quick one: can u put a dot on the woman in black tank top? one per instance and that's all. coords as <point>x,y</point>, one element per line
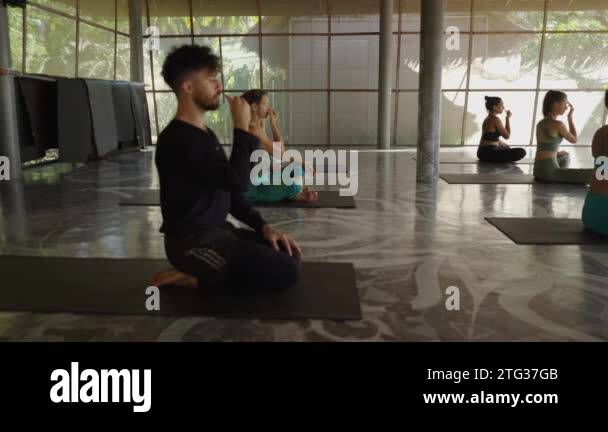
<point>491,149</point>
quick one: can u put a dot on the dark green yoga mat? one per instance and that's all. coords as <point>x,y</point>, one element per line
<point>488,178</point>
<point>118,286</point>
<point>459,159</point>
<point>546,231</point>
<point>330,199</point>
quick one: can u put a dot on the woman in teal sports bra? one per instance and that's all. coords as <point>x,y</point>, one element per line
<point>595,211</point>
<point>550,164</point>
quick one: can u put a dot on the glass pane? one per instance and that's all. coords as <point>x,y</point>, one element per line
<point>295,62</point>
<point>279,16</point>
<point>409,61</point>
<point>123,15</point>
<point>153,130</point>
<point>521,105</point>
<point>241,63</point>
<point>410,15</point>
<point>577,15</point>
<point>454,61</point>
<point>452,110</point>
<point>354,118</point>
<point>407,120</point>
<point>588,114</point>
<point>51,41</point>
<point>171,17</point>
<point>166,105</point>
<point>302,117</point>
<point>220,122</point>
<point>354,62</point>
<point>147,70</point>
<point>98,12</point>
<point>123,58</point>
<point>356,16</point>
<point>515,15</point>
<point>225,16</point>
<point>67,6</point>
<point>505,61</point>
<point>457,13</point>
<point>166,45</point>
<point>576,60</point>
<point>15,24</point>
<point>96,53</point>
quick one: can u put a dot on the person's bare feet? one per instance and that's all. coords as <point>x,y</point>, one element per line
<point>173,277</point>
<point>307,195</point>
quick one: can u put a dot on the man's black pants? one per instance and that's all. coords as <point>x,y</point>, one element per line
<point>227,257</point>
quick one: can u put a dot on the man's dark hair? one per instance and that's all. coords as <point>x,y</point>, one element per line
<point>186,59</point>
<point>254,96</point>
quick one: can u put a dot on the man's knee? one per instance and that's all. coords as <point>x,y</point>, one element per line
<point>286,272</point>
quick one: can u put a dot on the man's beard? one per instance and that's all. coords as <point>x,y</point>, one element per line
<point>207,105</point>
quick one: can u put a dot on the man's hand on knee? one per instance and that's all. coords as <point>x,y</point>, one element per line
<point>279,241</point>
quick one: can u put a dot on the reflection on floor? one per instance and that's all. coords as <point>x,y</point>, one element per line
<point>408,243</point>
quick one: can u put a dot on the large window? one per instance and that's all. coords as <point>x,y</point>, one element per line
<point>72,38</point>
<point>318,59</point>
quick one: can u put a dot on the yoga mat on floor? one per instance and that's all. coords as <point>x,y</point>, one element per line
<point>330,199</point>
<point>458,159</point>
<point>118,286</point>
<point>488,178</point>
<point>546,231</point>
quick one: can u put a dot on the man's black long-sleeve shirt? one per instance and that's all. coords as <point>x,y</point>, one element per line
<point>199,186</point>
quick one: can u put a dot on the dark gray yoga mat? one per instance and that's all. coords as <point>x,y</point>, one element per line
<point>139,104</point>
<point>75,134</point>
<point>118,286</point>
<point>123,112</point>
<point>457,159</point>
<point>488,178</point>
<point>101,101</point>
<point>546,231</point>
<point>330,199</point>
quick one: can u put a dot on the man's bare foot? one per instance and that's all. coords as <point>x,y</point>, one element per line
<point>173,277</point>
<point>307,196</point>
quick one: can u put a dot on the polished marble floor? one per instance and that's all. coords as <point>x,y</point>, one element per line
<point>408,243</point>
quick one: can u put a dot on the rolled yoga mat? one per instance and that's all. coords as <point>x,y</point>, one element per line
<point>101,102</point>
<point>546,231</point>
<point>331,199</point>
<point>74,125</point>
<point>118,286</point>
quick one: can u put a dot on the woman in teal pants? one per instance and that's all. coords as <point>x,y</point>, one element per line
<point>595,211</point>
<point>550,164</point>
<point>260,111</point>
